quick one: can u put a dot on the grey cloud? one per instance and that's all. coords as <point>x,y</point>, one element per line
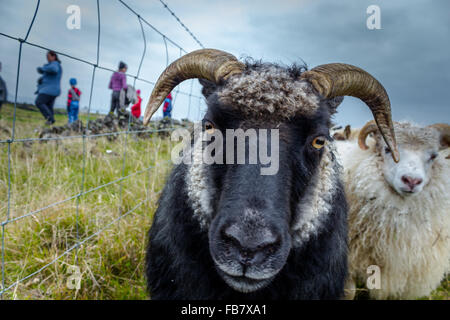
<point>410,55</point>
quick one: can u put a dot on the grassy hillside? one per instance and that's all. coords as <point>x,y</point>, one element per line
<point>42,173</point>
<point>112,261</point>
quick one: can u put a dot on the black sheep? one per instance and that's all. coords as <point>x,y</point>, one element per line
<point>229,231</point>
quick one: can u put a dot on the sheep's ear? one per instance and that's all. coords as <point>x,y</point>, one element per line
<point>339,136</point>
<point>334,103</point>
<point>208,87</point>
<point>444,137</point>
<point>347,132</point>
<point>445,141</point>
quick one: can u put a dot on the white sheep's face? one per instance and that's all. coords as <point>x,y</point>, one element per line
<point>412,173</point>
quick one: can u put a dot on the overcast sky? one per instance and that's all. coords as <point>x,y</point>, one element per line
<point>409,55</point>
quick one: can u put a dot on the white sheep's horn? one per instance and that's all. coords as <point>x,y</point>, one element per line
<point>368,128</point>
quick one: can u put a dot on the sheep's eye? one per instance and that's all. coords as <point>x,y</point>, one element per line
<point>318,143</point>
<point>433,156</point>
<point>387,150</point>
<point>209,127</point>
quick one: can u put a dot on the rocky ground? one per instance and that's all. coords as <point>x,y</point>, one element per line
<point>114,123</point>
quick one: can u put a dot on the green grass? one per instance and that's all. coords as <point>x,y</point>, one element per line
<point>42,173</point>
<point>112,262</point>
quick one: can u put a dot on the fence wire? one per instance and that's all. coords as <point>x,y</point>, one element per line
<point>85,137</point>
<point>181,23</point>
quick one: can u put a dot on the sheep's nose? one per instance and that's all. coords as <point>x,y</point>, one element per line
<point>251,247</point>
<point>411,182</point>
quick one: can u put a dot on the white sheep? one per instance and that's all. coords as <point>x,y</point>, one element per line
<point>398,212</point>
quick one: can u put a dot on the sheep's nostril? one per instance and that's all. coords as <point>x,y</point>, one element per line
<point>250,249</point>
<point>269,247</point>
<point>231,238</point>
<point>411,182</point>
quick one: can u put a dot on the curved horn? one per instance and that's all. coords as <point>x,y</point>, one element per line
<point>444,130</point>
<point>210,64</point>
<point>368,128</point>
<point>338,79</point>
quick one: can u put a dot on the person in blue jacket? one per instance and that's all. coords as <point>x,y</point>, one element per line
<point>49,86</point>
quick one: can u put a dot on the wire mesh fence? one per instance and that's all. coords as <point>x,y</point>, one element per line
<point>83,147</point>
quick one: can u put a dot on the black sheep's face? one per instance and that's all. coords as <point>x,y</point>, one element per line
<point>252,213</point>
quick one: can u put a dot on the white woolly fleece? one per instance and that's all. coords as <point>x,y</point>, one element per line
<point>408,238</point>
<point>317,202</point>
<point>198,186</point>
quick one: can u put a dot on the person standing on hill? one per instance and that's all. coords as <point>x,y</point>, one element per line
<point>136,108</point>
<point>49,86</point>
<point>118,82</point>
<point>73,101</point>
